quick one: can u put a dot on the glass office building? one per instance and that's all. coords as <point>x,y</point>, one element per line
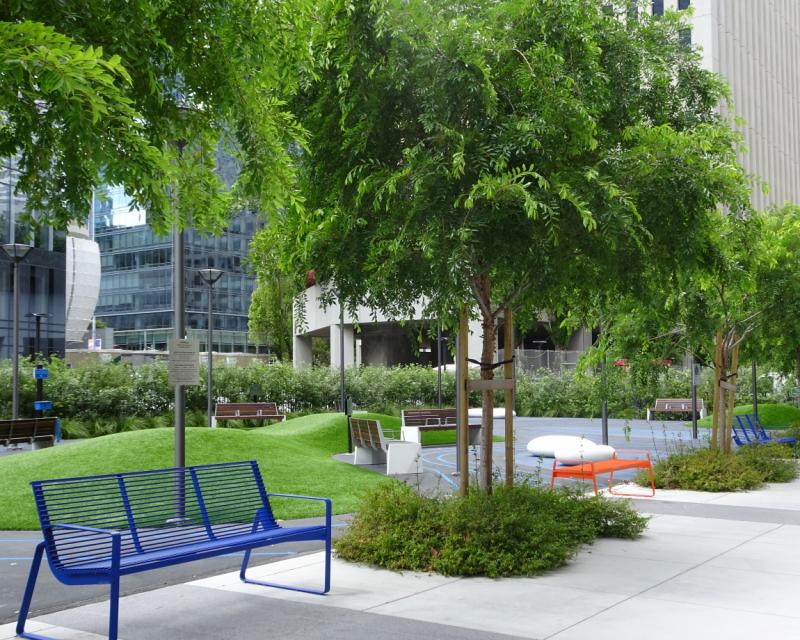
<point>136,285</point>
<point>42,274</point>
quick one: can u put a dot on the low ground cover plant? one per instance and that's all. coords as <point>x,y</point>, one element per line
<point>712,470</point>
<point>523,530</point>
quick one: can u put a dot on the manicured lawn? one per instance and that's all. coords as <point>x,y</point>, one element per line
<point>772,416</point>
<point>294,456</point>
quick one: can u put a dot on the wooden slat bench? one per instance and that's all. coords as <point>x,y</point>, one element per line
<point>38,432</point>
<point>99,528</point>
<point>373,447</point>
<point>676,405</point>
<point>415,421</point>
<point>590,470</point>
<point>264,411</point>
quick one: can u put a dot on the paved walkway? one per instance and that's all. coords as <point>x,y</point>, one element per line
<point>726,574</point>
<point>725,566</point>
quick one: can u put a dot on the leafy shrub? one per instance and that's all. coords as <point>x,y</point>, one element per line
<point>523,530</point>
<point>712,470</point>
<point>104,390</point>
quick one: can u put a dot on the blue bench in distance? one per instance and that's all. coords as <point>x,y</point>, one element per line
<point>747,429</point>
<point>99,528</point>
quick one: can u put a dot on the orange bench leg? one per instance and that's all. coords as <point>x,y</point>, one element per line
<point>633,495</point>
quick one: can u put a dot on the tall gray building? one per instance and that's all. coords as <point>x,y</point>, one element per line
<point>41,274</point>
<point>755,46</point>
<point>136,284</point>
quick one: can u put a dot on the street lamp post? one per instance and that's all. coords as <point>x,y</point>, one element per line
<point>210,276</point>
<point>36,351</point>
<point>17,253</point>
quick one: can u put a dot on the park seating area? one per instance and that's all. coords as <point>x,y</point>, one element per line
<point>99,528</point>
<point>415,421</point>
<point>258,411</point>
<point>37,432</point>
<point>373,447</point>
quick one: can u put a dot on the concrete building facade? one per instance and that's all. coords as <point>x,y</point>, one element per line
<point>755,46</point>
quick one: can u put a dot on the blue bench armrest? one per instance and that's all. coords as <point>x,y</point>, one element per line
<point>327,501</point>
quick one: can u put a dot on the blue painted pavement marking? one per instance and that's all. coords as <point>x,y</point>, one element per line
<point>450,480</point>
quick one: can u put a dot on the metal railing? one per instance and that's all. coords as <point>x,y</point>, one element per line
<point>530,360</point>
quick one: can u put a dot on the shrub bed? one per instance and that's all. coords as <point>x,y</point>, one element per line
<point>712,470</point>
<point>104,391</point>
<point>523,530</point>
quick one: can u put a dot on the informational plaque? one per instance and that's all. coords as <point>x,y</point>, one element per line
<point>184,363</point>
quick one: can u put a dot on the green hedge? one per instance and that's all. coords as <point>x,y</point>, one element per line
<point>99,391</point>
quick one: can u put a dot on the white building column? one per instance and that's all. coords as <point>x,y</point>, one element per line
<point>475,342</point>
<point>301,353</point>
<point>349,346</point>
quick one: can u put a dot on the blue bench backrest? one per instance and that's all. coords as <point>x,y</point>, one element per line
<point>154,510</point>
<point>741,431</point>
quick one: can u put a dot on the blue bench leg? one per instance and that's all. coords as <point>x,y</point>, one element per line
<point>246,559</point>
<point>113,616</point>
<point>28,595</point>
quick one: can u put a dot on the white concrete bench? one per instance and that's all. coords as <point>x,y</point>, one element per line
<point>372,447</point>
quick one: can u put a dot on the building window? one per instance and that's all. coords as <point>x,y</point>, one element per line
<point>685,36</point>
<point>683,4</point>
<point>658,7</point>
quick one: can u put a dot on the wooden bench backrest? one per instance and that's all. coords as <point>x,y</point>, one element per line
<point>422,417</point>
<point>27,428</point>
<point>677,404</point>
<point>367,433</point>
<point>233,409</point>
<point>221,500</point>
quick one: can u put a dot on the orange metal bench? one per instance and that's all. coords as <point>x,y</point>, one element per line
<point>592,469</point>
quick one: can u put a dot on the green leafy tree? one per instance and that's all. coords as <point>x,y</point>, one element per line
<point>545,154</point>
<point>145,91</point>
<point>777,290</point>
<point>270,315</point>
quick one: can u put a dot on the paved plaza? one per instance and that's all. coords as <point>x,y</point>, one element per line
<point>722,565</point>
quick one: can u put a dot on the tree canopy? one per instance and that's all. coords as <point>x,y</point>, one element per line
<point>142,93</point>
<point>549,154</point>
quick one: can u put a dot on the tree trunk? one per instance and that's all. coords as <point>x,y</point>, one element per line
<point>726,363</point>
<point>483,286</point>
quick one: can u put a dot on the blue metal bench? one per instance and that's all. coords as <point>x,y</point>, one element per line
<point>747,429</point>
<point>99,528</point>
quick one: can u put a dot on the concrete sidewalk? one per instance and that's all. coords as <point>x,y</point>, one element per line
<point>687,577</point>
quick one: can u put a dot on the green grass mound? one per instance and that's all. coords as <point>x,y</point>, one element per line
<point>294,456</point>
<point>712,470</point>
<point>772,416</point>
<point>524,530</point>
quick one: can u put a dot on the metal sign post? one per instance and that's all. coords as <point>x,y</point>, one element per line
<point>695,382</point>
<point>462,404</point>
<point>510,374</point>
